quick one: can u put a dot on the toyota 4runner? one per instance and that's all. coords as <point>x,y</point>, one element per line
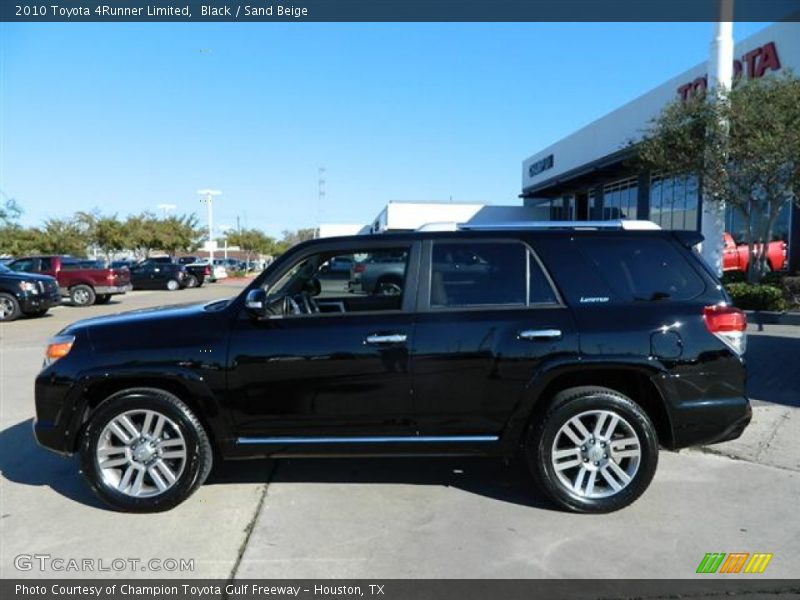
<point>583,348</point>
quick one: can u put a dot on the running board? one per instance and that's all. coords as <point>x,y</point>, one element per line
<point>369,440</point>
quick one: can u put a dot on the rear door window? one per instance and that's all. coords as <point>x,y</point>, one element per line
<point>483,273</point>
<point>642,269</point>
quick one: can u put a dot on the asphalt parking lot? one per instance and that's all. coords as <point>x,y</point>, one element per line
<point>373,518</point>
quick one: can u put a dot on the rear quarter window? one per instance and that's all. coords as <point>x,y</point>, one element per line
<point>642,269</point>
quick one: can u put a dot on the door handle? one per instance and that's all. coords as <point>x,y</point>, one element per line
<point>390,338</point>
<point>539,334</point>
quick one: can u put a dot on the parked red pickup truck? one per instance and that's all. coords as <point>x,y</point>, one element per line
<point>736,257</point>
<point>86,282</point>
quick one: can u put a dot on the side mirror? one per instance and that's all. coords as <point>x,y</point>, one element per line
<point>256,303</point>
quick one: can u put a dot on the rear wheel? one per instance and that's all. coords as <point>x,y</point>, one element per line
<point>594,450</point>
<point>173,284</point>
<point>103,299</point>
<point>9,308</point>
<point>192,281</point>
<point>144,450</point>
<point>82,295</point>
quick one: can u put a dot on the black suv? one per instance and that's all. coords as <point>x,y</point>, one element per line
<point>28,294</point>
<point>582,348</point>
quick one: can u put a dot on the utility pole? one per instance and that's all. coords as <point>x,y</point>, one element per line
<point>720,81</point>
<point>207,196</point>
<point>320,194</point>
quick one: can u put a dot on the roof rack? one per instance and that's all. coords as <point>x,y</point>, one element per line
<point>617,224</point>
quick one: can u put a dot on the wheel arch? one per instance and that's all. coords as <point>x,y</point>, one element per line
<point>192,393</point>
<point>635,382</point>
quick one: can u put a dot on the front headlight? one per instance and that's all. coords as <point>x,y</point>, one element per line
<point>58,347</point>
<point>27,286</point>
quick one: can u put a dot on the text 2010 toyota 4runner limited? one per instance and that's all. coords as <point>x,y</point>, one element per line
<point>585,348</point>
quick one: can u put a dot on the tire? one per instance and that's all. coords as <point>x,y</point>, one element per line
<point>9,308</point>
<point>550,433</point>
<point>173,285</point>
<point>192,281</point>
<point>181,434</point>
<point>82,295</point>
<point>103,299</point>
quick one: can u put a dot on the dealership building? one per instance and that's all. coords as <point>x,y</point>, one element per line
<point>587,175</point>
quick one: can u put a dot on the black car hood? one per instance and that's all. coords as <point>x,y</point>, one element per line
<point>148,317</point>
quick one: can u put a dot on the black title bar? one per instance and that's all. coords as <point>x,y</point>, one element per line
<point>394,10</point>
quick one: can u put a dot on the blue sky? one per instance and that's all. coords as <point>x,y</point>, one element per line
<point>125,117</point>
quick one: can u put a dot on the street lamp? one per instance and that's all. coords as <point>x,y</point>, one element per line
<point>166,208</point>
<point>208,197</point>
<point>225,229</point>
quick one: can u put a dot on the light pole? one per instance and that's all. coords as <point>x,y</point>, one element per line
<point>166,208</point>
<point>225,229</point>
<point>720,81</point>
<point>208,197</point>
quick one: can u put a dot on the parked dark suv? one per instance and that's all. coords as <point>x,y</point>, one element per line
<point>584,348</point>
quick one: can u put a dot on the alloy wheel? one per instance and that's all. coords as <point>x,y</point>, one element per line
<point>596,454</point>
<point>6,308</point>
<point>141,453</point>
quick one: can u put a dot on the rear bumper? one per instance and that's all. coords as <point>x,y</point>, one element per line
<point>710,421</point>
<point>113,289</point>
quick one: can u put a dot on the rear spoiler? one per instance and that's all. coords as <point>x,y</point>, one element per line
<point>688,238</point>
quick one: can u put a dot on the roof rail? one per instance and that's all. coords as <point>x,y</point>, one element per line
<point>617,224</point>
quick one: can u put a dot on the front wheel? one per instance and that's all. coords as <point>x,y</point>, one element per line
<point>192,281</point>
<point>594,450</point>
<point>9,307</point>
<point>173,285</point>
<point>144,450</point>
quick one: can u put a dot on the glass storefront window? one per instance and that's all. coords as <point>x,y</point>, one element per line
<point>674,201</point>
<point>736,225</point>
<point>620,199</point>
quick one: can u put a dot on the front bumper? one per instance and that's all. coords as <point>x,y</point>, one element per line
<point>56,421</point>
<point>34,302</point>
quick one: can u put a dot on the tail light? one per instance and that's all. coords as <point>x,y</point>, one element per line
<point>207,271</point>
<point>729,324</point>
<point>359,268</point>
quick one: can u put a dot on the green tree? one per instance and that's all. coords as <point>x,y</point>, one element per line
<point>178,234</point>
<point>292,238</point>
<point>16,240</point>
<point>61,236</point>
<point>251,241</point>
<point>141,232</point>
<point>745,148</point>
